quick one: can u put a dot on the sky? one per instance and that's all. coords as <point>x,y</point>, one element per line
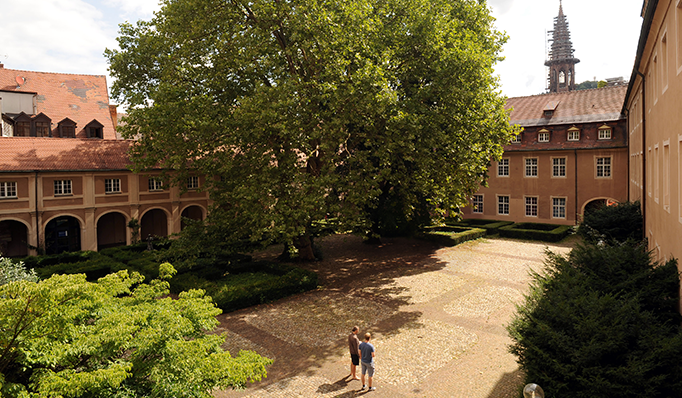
<point>70,36</point>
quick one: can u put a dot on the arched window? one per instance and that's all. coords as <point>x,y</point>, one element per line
<point>562,78</point>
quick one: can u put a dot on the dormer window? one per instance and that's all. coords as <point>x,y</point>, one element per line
<point>42,125</point>
<point>549,109</point>
<point>605,132</point>
<point>543,136</point>
<point>66,128</point>
<point>516,139</point>
<point>94,129</point>
<point>22,125</point>
<point>573,134</point>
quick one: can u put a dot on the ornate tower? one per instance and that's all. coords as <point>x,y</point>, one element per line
<point>561,60</point>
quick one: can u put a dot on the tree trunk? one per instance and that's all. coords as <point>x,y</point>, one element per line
<point>304,245</point>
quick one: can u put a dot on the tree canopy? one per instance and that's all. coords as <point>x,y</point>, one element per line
<point>119,337</point>
<point>310,109</point>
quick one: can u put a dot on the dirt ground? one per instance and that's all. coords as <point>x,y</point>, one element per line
<point>437,316</point>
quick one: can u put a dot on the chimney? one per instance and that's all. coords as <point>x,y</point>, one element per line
<point>2,66</point>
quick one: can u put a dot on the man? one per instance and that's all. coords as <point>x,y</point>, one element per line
<point>354,347</point>
<point>367,357</point>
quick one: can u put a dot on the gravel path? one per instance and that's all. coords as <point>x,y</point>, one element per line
<point>437,317</point>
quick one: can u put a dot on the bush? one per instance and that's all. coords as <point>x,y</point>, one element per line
<point>602,322</point>
<point>12,272</point>
<point>492,227</point>
<point>451,236</point>
<point>534,231</point>
<point>613,223</point>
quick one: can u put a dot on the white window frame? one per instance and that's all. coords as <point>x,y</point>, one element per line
<point>531,203</point>
<point>573,135</point>
<point>561,208</point>
<point>192,182</point>
<point>605,168</point>
<point>531,167</point>
<point>516,139</point>
<point>8,189</point>
<point>605,133</point>
<point>112,185</point>
<point>558,168</point>
<point>155,184</point>
<point>503,204</point>
<point>477,204</point>
<point>543,136</point>
<point>503,167</point>
<point>63,187</point>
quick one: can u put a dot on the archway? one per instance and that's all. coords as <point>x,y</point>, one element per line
<point>62,234</point>
<point>13,239</point>
<point>111,230</point>
<point>193,213</point>
<point>154,223</point>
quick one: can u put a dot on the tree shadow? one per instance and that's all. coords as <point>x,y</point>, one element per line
<point>510,385</point>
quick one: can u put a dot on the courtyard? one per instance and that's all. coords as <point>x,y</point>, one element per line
<point>437,316</point>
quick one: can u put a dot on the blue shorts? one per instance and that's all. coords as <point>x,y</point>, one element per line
<point>368,368</point>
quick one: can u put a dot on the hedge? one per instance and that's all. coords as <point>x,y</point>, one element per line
<point>491,226</point>
<point>534,231</point>
<point>451,236</point>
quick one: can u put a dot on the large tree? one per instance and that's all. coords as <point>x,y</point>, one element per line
<point>307,109</point>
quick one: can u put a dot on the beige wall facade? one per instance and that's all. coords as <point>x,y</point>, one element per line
<point>102,203</point>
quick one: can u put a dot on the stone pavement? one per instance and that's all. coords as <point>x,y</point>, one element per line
<point>437,317</point>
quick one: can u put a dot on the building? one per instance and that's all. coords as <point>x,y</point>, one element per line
<point>64,178</point>
<point>572,154</point>
<point>652,106</point>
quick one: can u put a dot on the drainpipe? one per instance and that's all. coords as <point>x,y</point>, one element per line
<point>37,215</point>
<point>644,181</point>
<point>575,156</point>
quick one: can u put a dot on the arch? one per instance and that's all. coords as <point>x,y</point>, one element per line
<point>111,230</point>
<point>154,222</point>
<point>62,234</point>
<point>562,78</point>
<point>193,212</point>
<point>596,203</point>
<point>13,238</point>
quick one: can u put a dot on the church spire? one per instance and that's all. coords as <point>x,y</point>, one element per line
<point>561,60</point>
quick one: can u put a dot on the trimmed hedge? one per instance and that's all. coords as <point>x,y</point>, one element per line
<point>491,226</point>
<point>535,231</point>
<point>450,235</point>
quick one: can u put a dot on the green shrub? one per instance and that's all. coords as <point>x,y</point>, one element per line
<point>533,231</point>
<point>451,236</point>
<point>613,223</point>
<point>97,266</point>
<point>11,271</point>
<point>491,226</point>
<point>602,322</point>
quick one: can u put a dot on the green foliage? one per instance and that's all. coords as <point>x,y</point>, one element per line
<point>602,84</point>
<point>315,109</point>
<point>602,322</point>
<point>586,85</point>
<point>118,337</point>
<point>13,272</point>
<point>535,231</point>
<point>134,226</point>
<point>492,227</point>
<point>451,236</point>
<point>613,223</point>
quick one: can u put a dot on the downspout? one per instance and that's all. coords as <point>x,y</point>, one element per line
<point>627,137</point>
<point>37,215</point>
<point>575,156</point>
<point>644,172</point>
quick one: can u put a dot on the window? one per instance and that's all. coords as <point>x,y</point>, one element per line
<point>558,207</point>
<point>603,167</point>
<point>573,134</point>
<point>664,62</point>
<point>605,133</point>
<point>66,128</point>
<point>8,189</point>
<point>543,136</point>
<point>531,206</point>
<point>503,168</point>
<point>62,187</point>
<point>562,78</point>
<point>678,19</point>
<point>657,173</point>
<point>155,184</point>
<point>531,167</point>
<point>558,167</point>
<point>192,182</point>
<point>516,139</point>
<point>648,173</point>
<point>22,129</point>
<point>477,204</point>
<point>112,185</point>
<point>42,129</point>
<point>94,129</point>
<point>666,176</point>
<point>503,205</point>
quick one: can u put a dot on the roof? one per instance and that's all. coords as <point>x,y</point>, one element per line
<point>81,98</point>
<point>580,106</point>
<point>43,154</point>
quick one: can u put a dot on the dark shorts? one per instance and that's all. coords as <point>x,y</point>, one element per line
<point>355,359</point>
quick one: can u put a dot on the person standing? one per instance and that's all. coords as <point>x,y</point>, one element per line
<point>354,347</point>
<point>367,361</point>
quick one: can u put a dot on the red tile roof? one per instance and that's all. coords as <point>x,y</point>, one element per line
<point>81,98</point>
<point>582,106</point>
<point>41,154</point>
